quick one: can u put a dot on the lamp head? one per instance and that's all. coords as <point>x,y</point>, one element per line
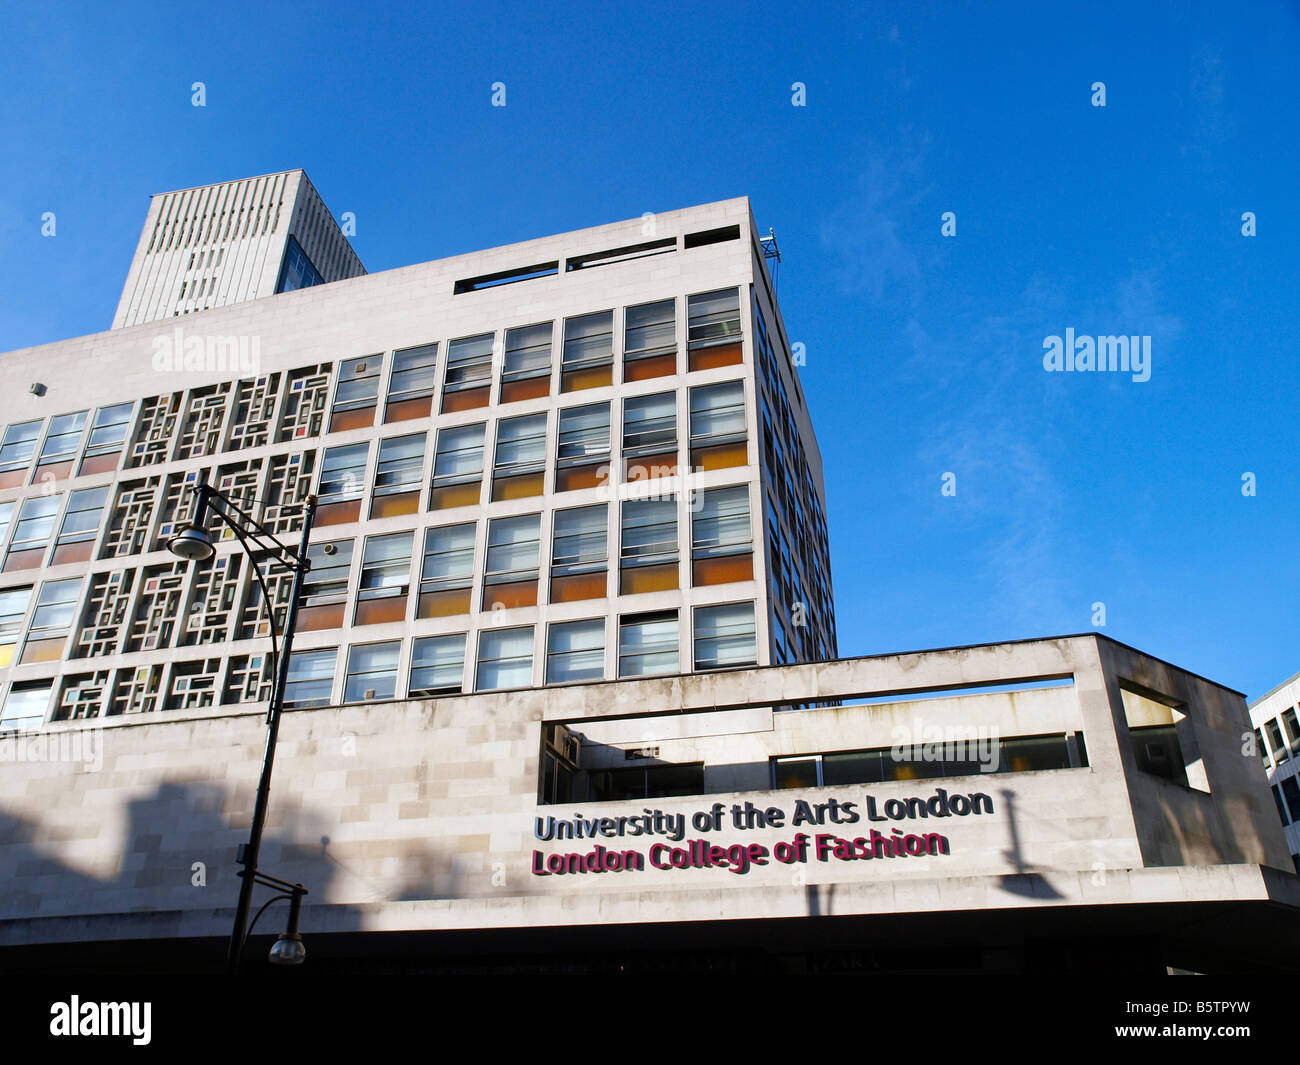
<point>288,950</point>
<point>191,543</point>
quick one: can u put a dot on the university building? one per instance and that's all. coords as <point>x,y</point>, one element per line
<point>565,692</point>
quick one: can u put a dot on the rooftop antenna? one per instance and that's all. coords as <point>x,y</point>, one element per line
<point>771,253</point>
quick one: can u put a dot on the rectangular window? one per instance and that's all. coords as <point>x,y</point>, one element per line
<point>56,610</point>
<point>1271,728</point>
<point>107,438</point>
<point>650,341</point>
<point>32,533</point>
<point>648,559</point>
<point>1288,719</point>
<point>718,435</point>
<point>62,443</point>
<point>6,517</point>
<point>17,447</point>
<point>579,554</point>
<point>1262,747</point>
<point>357,394</point>
<point>447,573</point>
<point>398,476</point>
<point>1291,792</point>
<point>80,526</point>
<point>647,644</point>
<point>1281,809</point>
<point>527,370</point>
<point>797,772</point>
<point>582,451</point>
<point>372,672</point>
<point>650,436</point>
<point>311,678</point>
<point>342,484</point>
<point>724,636</point>
<point>385,579</point>
<point>410,388</point>
<point>13,608</point>
<point>722,549</point>
<point>588,352</point>
<point>505,659</point>
<point>510,572</point>
<point>437,665</point>
<point>714,329</point>
<point>575,650</point>
<point>325,586</point>
<point>469,373</point>
<point>520,466</point>
<point>647,782</point>
<point>26,705</point>
<point>458,468</point>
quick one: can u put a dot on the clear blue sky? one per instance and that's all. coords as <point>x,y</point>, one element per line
<point>924,352</point>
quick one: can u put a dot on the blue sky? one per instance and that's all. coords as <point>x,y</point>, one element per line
<point>924,352</point>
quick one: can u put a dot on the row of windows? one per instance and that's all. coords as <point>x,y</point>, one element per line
<point>176,427</point>
<point>507,572</point>
<point>582,454</point>
<point>647,645</point>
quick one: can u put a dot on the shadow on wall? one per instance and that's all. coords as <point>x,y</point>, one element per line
<point>178,854</point>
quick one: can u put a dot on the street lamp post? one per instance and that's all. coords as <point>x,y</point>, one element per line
<point>192,542</point>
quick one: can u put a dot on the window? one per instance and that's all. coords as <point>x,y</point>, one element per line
<point>385,579</point>
<point>724,636</point>
<point>579,554</point>
<point>325,586</point>
<point>447,573</point>
<point>718,426</point>
<point>510,573</point>
<point>80,526</point>
<point>575,651</point>
<point>6,517</point>
<point>650,436</point>
<point>1291,792</point>
<point>714,329</point>
<point>61,444</point>
<point>56,610</point>
<point>357,394</point>
<point>647,644</point>
<point>1288,719</point>
<point>505,659</point>
<point>1270,727</point>
<point>458,468</point>
<point>13,608</point>
<point>32,533</point>
<point>17,447</point>
<point>588,352</point>
<point>721,542</point>
<point>583,448</point>
<point>648,561</point>
<point>310,679</point>
<point>527,371</point>
<point>650,341</point>
<point>397,476</point>
<point>342,483</point>
<point>410,389</point>
<point>647,782</point>
<point>372,672</point>
<point>469,372</point>
<point>1262,747</point>
<point>1281,809</point>
<point>521,458</point>
<point>437,665</point>
<point>26,704</point>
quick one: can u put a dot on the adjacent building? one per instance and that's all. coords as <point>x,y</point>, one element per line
<point>1277,738</point>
